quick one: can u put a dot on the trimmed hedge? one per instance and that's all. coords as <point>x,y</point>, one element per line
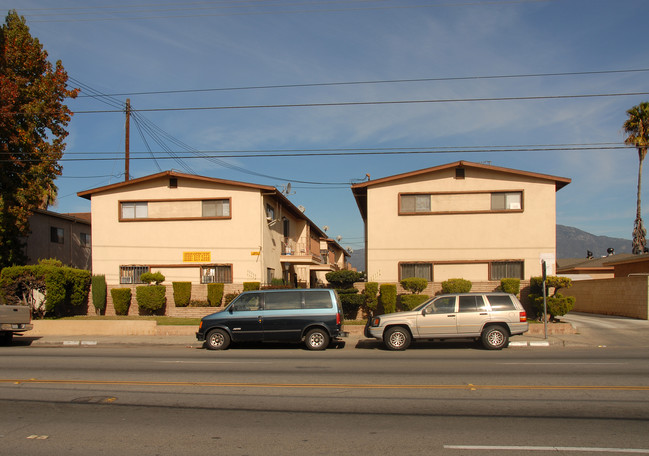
<point>558,304</point>
<point>371,297</point>
<point>66,289</point>
<point>251,286</point>
<point>512,286</point>
<point>99,293</point>
<point>456,286</point>
<point>121,300</point>
<point>182,293</point>
<point>151,277</point>
<point>151,299</point>
<point>343,279</point>
<point>215,294</point>
<point>410,301</point>
<point>388,297</point>
<point>414,285</point>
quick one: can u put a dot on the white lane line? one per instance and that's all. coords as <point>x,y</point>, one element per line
<point>548,448</point>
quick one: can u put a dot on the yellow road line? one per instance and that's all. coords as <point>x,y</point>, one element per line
<point>469,387</point>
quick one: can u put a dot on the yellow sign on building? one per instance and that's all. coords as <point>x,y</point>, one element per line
<point>197,257</point>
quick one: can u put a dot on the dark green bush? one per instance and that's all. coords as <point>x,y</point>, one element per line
<point>277,283</point>
<point>512,286</point>
<point>215,294</point>
<point>151,299</point>
<point>151,277</point>
<point>182,293</point>
<point>121,300</point>
<point>414,285</point>
<point>99,293</point>
<point>409,302</point>
<point>371,297</point>
<point>351,303</point>
<point>197,303</point>
<point>343,279</point>
<point>251,286</point>
<point>388,297</point>
<point>558,304</point>
<point>456,286</point>
<point>65,289</point>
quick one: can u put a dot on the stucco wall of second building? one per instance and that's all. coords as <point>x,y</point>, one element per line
<point>148,242</point>
<point>460,238</point>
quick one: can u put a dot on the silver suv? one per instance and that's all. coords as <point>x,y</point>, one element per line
<point>489,317</point>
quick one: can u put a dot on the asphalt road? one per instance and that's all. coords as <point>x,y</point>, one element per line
<point>447,399</point>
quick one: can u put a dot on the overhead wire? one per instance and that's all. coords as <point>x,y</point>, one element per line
<point>384,81</point>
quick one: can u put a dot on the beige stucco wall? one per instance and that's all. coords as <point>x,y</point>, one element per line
<point>623,296</point>
<point>462,238</point>
<point>229,241</point>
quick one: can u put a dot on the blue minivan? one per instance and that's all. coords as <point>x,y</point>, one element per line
<point>312,316</point>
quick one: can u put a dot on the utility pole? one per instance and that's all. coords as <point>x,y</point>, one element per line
<point>127,140</point>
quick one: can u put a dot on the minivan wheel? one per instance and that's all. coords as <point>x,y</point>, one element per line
<point>397,338</point>
<point>316,339</point>
<point>495,338</point>
<point>217,339</point>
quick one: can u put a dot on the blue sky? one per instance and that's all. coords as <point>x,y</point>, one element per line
<point>136,47</point>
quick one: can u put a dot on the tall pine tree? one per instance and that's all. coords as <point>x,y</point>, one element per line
<point>33,118</point>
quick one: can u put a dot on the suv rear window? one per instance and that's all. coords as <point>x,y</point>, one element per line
<point>317,300</point>
<point>501,302</point>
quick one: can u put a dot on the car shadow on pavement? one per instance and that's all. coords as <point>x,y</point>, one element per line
<point>455,344</point>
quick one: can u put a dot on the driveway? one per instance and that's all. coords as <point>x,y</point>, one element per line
<point>606,330</point>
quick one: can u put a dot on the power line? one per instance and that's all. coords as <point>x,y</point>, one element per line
<point>374,103</point>
<point>386,81</point>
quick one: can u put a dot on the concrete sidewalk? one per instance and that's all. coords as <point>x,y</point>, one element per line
<point>53,333</point>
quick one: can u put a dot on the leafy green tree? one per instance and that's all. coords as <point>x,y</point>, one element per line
<point>637,129</point>
<point>33,118</point>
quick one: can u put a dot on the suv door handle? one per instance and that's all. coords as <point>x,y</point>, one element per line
<point>451,316</point>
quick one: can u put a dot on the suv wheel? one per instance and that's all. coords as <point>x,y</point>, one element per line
<point>316,339</point>
<point>397,338</point>
<point>495,337</point>
<point>217,339</point>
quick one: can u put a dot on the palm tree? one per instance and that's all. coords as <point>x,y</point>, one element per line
<point>637,130</point>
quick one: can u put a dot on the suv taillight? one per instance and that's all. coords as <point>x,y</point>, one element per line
<point>338,318</point>
<point>523,316</point>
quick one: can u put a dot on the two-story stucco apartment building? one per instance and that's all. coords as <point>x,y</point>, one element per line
<point>202,230</point>
<point>459,220</point>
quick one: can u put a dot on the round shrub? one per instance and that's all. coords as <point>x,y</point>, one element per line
<point>351,303</point>
<point>512,286</point>
<point>151,299</point>
<point>414,285</point>
<point>152,277</point>
<point>343,279</point>
<point>121,300</point>
<point>456,286</point>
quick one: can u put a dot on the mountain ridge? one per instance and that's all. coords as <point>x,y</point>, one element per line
<point>571,243</point>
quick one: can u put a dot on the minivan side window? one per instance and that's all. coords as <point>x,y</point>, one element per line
<point>502,302</point>
<point>247,303</point>
<point>282,300</point>
<point>317,300</point>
